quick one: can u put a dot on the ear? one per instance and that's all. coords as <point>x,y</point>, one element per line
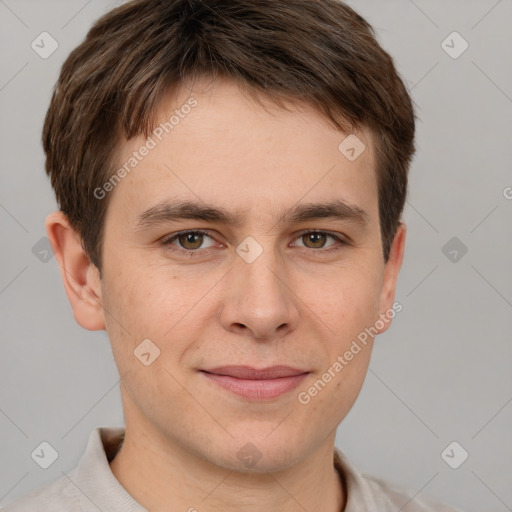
<point>80,276</point>
<point>391,271</point>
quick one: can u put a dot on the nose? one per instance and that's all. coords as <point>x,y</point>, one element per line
<point>259,300</point>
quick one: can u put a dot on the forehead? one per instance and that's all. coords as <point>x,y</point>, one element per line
<point>216,145</point>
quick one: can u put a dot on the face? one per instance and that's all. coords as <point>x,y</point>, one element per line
<point>244,284</point>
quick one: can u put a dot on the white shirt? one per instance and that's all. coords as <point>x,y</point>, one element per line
<point>91,486</point>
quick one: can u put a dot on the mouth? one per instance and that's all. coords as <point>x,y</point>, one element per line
<point>256,384</point>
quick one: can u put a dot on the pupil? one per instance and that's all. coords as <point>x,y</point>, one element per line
<point>193,239</point>
<point>316,237</point>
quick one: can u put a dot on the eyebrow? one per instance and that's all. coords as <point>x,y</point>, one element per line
<point>178,210</point>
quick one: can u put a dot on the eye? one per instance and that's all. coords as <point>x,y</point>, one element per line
<point>189,241</point>
<point>317,239</point>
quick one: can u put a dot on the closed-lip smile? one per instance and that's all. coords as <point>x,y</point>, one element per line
<point>256,384</point>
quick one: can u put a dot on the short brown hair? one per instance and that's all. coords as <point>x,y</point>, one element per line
<point>317,51</point>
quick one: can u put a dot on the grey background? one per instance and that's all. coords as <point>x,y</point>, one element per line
<point>440,374</point>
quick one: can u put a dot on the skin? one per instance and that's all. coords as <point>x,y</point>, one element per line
<point>293,305</point>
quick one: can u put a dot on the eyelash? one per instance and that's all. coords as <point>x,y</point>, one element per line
<point>192,253</point>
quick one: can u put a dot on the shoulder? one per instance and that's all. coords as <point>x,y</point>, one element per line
<point>396,496</point>
<point>57,496</point>
<point>365,492</point>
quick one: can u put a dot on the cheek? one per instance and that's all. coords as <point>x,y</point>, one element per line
<point>347,302</point>
<point>147,299</point>
<point>142,307</point>
<point>147,303</point>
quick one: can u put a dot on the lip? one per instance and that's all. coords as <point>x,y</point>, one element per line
<point>256,384</point>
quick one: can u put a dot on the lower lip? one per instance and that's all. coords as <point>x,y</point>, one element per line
<point>257,389</point>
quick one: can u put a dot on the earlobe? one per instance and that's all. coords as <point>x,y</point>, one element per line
<point>391,271</point>
<point>79,275</point>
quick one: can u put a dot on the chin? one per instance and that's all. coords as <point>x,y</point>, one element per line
<point>260,451</point>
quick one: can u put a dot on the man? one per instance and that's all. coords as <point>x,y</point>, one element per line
<point>230,177</point>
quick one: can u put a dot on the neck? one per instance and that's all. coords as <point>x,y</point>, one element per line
<point>167,477</point>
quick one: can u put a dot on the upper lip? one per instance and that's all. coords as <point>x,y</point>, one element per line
<point>247,372</point>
